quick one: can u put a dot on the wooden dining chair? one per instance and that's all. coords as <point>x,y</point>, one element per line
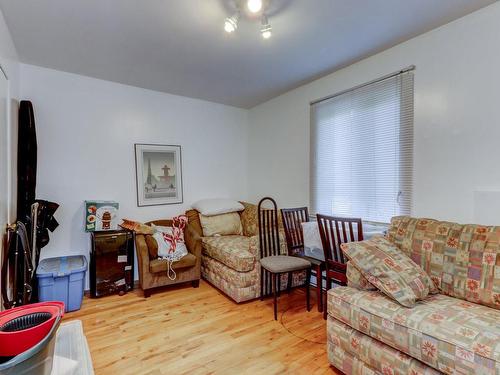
<point>335,231</point>
<point>294,235</point>
<point>272,263</point>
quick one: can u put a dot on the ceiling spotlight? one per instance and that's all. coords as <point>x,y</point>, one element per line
<point>231,23</point>
<point>254,6</point>
<point>265,28</point>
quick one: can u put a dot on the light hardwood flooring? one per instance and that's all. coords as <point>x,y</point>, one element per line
<point>184,330</point>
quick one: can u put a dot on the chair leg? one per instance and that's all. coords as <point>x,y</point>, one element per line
<point>279,285</point>
<point>275,296</point>
<point>261,283</point>
<point>319,287</point>
<point>289,285</point>
<point>325,304</point>
<point>308,289</point>
<point>147,293</point>
<point>195,283</point>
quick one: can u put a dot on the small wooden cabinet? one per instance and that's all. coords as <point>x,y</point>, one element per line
<point>111,262</point>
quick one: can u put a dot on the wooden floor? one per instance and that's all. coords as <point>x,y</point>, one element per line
<point>201,331</point>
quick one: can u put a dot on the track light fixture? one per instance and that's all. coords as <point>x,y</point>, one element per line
<point>265,28</point>
<point>255,7</point>
<point>231,23</point>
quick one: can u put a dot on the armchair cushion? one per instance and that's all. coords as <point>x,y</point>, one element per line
<point>231,251</point>
<point>160,265</point>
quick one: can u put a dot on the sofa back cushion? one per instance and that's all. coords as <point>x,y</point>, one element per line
<point>249,219</point>
<point>221,225</point>
<point>462,260</point>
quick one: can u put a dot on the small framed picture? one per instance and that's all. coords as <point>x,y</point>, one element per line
<point>158,171</point>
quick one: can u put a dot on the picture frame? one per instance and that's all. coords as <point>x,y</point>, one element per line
<point>158,172</point>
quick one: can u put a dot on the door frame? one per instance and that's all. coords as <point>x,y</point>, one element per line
<point>8,161</point>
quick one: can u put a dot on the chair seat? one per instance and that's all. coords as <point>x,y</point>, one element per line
<point>314,261</point>
<point>161,265</point>
<point>284,263</point>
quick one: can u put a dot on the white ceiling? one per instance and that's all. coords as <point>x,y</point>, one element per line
<point>179,46</point>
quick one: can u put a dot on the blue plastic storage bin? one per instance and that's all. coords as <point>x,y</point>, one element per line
<point>62,279</point>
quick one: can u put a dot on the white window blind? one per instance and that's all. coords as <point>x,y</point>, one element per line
<point>362,151</point>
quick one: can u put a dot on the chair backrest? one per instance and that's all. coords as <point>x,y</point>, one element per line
<point>269,239</point>
<point>335,231</point>
<point>292,220</point>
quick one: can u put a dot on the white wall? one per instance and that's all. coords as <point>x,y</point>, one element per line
<point>457,120</point>
<point>86,131</point>
<point>8,57</point>
<point>9,62</point>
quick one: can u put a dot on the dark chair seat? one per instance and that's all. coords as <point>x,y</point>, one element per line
<point>284,263</point>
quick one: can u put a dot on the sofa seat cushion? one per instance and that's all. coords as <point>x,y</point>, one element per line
<point>238,279</point>
<point>449,334</point>
<point>349,348</point>
<point>160,265</point>
<point>233,251</point>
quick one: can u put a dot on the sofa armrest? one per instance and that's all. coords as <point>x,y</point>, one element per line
<point>141,249</point>
<point>193,241</point>
<point>254,246</point>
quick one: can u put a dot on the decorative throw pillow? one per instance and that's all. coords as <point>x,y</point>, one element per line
<point>391,271</point>
<point>212,207</point>
<point>167,230</point>
<point>221,225</point>
<point>163,247</point>
<point>356,280</point>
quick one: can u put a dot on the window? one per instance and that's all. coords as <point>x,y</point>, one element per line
<point>362,150</point>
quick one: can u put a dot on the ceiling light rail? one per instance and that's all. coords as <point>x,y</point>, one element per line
<point>254,7</point>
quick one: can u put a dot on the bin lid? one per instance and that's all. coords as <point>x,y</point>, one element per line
<point>61,266</point>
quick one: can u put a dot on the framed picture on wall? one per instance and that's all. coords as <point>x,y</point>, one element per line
<point>158,171</point>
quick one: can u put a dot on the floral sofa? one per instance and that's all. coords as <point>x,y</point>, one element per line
<point>455,332</point>
<point>231,263</point>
